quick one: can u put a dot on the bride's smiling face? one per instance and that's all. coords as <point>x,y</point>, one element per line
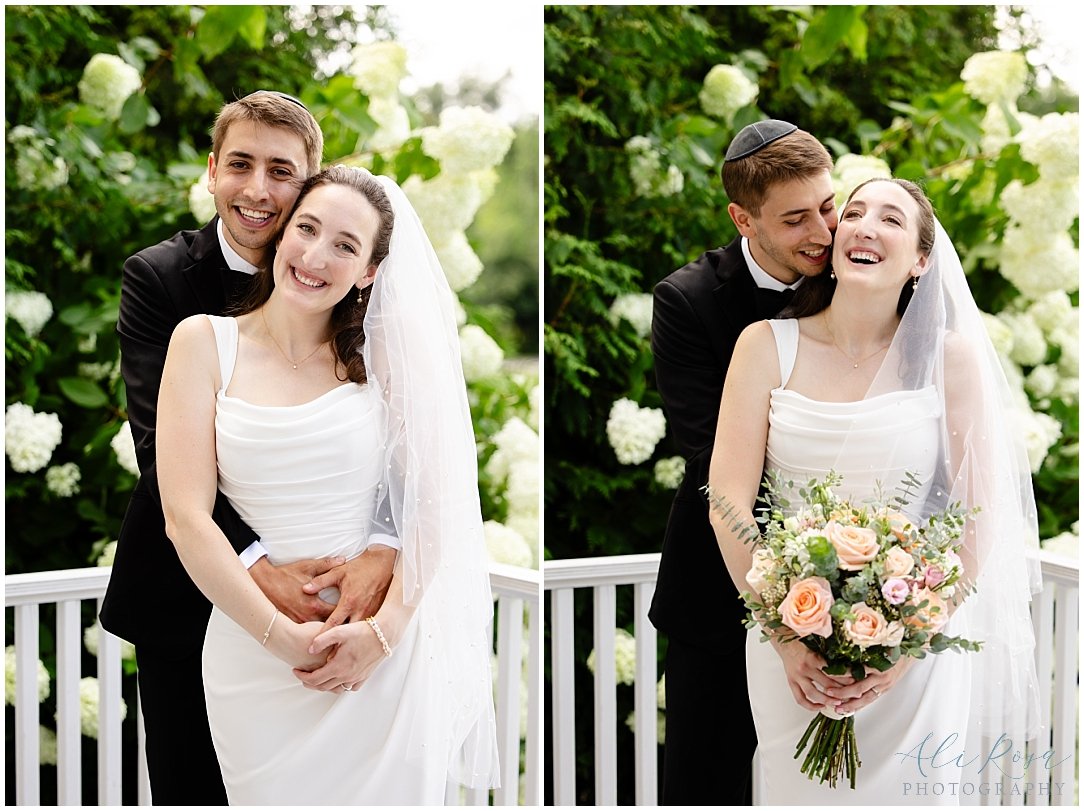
<point>877,242</point>
<point>326,247</point>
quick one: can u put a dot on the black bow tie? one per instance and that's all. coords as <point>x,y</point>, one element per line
<point>770,302</point>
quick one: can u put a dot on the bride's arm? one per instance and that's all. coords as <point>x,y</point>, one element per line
<point>188,480</point>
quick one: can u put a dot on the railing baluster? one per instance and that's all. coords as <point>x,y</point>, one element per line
<point>109,720</point>
<point>563,697</point>
<point>646,698</point>
<point>1066,688</point>
<point>69,648</point>
<point>532,779</point>
<point>605,696</point>
<point>27,735</point>
<point>509,664</point>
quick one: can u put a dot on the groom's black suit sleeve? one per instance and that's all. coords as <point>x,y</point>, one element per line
<point>699,312</point>
<point>151,601</point>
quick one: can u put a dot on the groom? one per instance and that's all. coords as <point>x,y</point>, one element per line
<point>778,179</point>
<point>264,147</point>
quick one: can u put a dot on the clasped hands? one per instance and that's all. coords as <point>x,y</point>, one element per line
<point>330,646</point>
<point>814,689</point>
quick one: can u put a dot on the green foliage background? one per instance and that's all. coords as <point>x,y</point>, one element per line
<point>872,80</point>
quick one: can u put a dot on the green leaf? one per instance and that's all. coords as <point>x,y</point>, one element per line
<point>254,27</point>
<point>135,114</point>
<point>83,392</point>
<point>221,24</point>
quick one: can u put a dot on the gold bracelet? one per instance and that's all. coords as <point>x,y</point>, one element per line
<point>267,633</point>
<point>379,635</point>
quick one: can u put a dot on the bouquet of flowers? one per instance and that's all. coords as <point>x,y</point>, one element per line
<point>861,585</point>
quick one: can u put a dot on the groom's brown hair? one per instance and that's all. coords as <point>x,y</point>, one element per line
<point>797,155</point>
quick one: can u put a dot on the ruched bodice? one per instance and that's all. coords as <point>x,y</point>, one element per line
<point>807,438</point>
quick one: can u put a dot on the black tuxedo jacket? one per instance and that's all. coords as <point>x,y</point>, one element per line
<point>699,312</point>
<point>151,601</point>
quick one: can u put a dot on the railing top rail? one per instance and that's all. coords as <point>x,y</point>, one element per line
<point>1061,568</point>
<point>614,570</point>
<point>90,583</point>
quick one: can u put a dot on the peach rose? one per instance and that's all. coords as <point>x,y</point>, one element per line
<point>931,618</point>
<point>869,627</point>
<point>805,609</point>
<point>855,546</point>
<point>894,636</point>
<point>899,524</point>
<point>898,562</point>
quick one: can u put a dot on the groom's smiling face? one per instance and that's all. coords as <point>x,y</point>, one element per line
<point>791,236</point>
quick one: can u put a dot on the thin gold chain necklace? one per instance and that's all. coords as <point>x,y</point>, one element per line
<point>856,363</point>
<point>282,352</point>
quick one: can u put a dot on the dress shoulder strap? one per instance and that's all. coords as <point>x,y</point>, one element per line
<point>786,345</point>
<point>225,329</point>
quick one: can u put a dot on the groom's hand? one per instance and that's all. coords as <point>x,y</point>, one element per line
<point>284,586</point>
<point>362,582</point>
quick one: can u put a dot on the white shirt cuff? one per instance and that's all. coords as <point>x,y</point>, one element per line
<point>252,554</point>
<point>387,540</point>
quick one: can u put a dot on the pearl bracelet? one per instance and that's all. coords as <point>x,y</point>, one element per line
<point>379,635</point>
<point>270,625</point>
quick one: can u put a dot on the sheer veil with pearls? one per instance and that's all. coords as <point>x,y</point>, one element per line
<point>942,342</point>
<point>430,499</point>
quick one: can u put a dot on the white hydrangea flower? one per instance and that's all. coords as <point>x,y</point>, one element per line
<point>9,677</point>
<point>516,441</point>
<point>1029,345</point>
<point>850,170</point>
<point>670,471</point>
<point>1067,336</point>
<point>660,725</point>
<point>1040,432</point>
<point>1052,143</point>
<point>95,371</point>
<point>123,446</point>
<point>468,139</point>
<point>636,308</point>
<point>1067,543</point>
<point>624,657</point>
<point>1068,388</point>
<point>47,747</point>
<point>460,263</point>
<point>1052,311</point>
<point>88,706</point>
<point>460,313</point>
<point>378,67</point>
<point>90,642</point>
<point>107,83</point>
<point>523,488</point>
<point>29,309</point>
<point>526,524</point>
<point>393,120</point>
<point>1037,262</point>
<point>996,133</point>
<point>63,480</point>
<point>200,201</point>
<point>533,400</point>
<point>505,545</point>
<point>726,90</point>
<point>1042,381</point>
<point>482,357</point>
<point>645,169</point>
<point>995,76</point>
<point>35,165</point>
<point>660,692</point>
<point>448,203</point>
<point>633,431</point>
<point>1048,204</point>
<point>109,552</point>
<point>30,438</point>
<point>1000,334</point>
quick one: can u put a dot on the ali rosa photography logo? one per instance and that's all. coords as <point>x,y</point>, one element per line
<point>945,768</point>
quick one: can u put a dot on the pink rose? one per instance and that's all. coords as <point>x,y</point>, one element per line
<point>868,627</point>
<point>898,562</point>
<point>855,546</point>
<point>896,591</point>
<point>934,577</point>
<point>931,618</point>
<point>805,609</point>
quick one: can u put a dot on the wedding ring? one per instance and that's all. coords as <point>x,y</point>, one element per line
<point>818,686</point>
<point>875,690</point>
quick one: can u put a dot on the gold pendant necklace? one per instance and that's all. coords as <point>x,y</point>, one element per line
<point>289,360</point>
<point>855,363</point>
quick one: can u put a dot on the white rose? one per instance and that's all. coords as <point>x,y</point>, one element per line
<point>123,446</point>
<point>726,90</point>
<point>29,309</point>
<point>107,83</point>
<point>995,76</point>
<point>898,563</point>
<point>636,308</point>
<point>482,357</point>
<point>633,431</point>
<point>30,438</point>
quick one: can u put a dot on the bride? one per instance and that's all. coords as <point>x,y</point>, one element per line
<point>884,368</point>
<point>334,411</point>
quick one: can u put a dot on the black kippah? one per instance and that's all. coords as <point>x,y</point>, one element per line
<point>757,136</point>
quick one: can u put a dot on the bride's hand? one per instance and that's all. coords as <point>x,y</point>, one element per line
<point>355,653</point>
<point>291,641</point>
<point>811,686</point>
<point>863,693</point>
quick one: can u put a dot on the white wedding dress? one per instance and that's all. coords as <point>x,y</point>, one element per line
<point>930,702</point>
<point>305,478</point>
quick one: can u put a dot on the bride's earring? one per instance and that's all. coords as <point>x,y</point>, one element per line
<point>914,283</point>
<point>361,296</point>
<point>832,275</point>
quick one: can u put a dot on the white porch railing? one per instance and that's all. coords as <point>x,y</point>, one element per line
<point>517,595</point>
<point>1054,614</point>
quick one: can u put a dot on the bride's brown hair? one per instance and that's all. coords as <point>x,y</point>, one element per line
<point>348,315</point>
